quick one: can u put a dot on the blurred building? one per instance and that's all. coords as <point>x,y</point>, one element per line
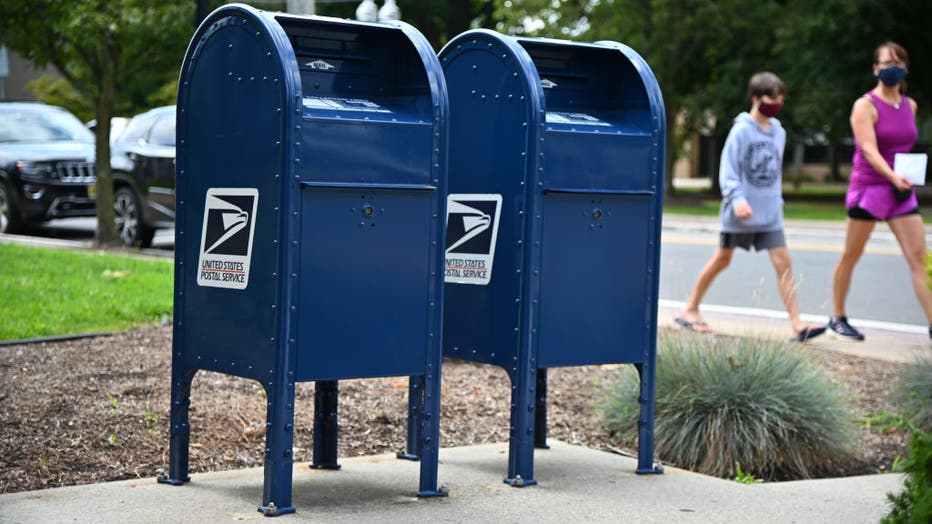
<point>16,72</point>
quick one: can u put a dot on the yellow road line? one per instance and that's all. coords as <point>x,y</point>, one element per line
<point>673,239</point>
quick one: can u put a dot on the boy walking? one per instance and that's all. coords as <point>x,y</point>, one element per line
<point>752,202</point>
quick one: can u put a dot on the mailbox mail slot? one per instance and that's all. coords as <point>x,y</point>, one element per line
<point>311,168</point>
<point>556,177</point>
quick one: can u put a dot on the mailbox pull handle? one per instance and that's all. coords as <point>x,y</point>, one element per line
<point>626,192</point>
<point>367,185</point>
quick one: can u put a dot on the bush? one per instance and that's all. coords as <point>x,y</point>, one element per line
<point>721,401</point>
<point>914,503</point>
<point>914,394</point>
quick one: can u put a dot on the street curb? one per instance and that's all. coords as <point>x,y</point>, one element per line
<point>83,245</point>
<point>58,338</point>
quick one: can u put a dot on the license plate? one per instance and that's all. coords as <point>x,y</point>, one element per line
<point>92,191</point>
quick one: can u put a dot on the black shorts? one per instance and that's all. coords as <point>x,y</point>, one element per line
<point>859,213</point>
<point>760,241</point>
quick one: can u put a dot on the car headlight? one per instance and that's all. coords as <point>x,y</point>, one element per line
<point>35,168</point>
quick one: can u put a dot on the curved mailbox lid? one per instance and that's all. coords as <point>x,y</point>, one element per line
<point>654,94</point>
<point>375,88</point>
<point>602,117</point>
<point>658,111</point>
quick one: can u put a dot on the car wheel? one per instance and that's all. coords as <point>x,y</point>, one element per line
<point>10,221</point>
<point>127,217</point>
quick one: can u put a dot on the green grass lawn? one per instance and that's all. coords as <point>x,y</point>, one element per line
<point>791,210</point>
<point>47,292</point>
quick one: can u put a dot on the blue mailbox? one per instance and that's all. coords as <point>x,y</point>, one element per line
<point>553,218</point>
<point>311,179</point>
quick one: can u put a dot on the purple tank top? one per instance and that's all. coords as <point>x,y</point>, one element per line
<point>896,133</point>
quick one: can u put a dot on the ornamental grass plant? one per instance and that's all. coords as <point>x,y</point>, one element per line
<point>721,401</point>
<point>913,394</point>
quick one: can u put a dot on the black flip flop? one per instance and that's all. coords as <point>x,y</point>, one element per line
<point>691,326</point>
<point>808,333</point>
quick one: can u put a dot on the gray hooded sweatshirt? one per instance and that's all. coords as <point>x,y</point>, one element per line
<point>751,172</point>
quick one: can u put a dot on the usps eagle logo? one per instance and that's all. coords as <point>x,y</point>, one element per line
<point>227,237</point>
<point>472,230</point>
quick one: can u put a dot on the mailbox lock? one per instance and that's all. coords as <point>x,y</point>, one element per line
<point>596,214</point>
<point>368,211</point>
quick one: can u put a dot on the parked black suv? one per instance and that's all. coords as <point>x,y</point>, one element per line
<point>46,165</point>
<point>143,163</point>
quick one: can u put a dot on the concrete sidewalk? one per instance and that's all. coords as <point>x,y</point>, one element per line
<point>577,484</point>
<point>880,344</point>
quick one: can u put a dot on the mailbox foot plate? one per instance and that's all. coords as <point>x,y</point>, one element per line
<point>518,482</point>
<point>432,493</point>
<point>325,466</point>
<point>408,456</point>
<point>172,482</point>
<point>273,511</point>
<point>657,469</point>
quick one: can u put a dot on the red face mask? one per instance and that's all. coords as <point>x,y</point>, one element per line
<point>770,110</point>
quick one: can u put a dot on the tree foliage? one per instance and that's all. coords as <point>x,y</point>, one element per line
<point>704,51</point>
<point>826,49</point>
<point>110,52</point>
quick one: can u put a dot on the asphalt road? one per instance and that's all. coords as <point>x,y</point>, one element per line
<point>83,229</point>
<point>881,289</point>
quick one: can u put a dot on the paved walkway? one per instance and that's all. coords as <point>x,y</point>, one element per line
<point>576,485</point>
<point>881,344</point>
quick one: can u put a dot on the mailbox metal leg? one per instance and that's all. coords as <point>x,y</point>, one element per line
<point>180,430</point>
<point>415,418</point>
<point>326,424</point>
<point>521,440</point>
<point>279,461</point>
<point>540,413</point>
<point>646,464</point>
<point>429,448</point>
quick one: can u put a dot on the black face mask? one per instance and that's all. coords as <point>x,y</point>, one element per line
<point>892,75</point>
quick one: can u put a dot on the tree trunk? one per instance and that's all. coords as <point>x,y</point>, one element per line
<point>714,154</point>
<point>669,153</point>
<point>799,151</point>
<point>106,231</point>
<point>834,165</point>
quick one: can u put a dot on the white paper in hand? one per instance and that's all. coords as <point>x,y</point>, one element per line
<point>912,166</point>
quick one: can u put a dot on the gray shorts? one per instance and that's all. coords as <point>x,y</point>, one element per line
<point>760,241</point>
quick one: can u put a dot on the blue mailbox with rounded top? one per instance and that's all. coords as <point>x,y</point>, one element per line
<point>553,218</point>
<point>311,174</point>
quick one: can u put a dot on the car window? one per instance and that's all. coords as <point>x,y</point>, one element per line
<point>163,132</point>
<point>38,125</point>
<point>135,130</point>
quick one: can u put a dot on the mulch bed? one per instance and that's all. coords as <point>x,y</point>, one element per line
<point>96,409</point>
